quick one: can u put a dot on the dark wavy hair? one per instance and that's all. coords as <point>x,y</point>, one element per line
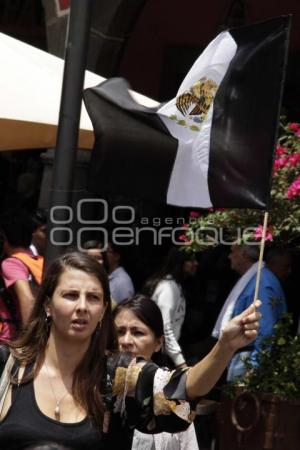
<point>30,346</point>
<point>172,266</point>
<point>17,226</point>
<point>93,243</point>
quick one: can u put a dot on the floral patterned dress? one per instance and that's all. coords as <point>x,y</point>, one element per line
<point>141,395</point>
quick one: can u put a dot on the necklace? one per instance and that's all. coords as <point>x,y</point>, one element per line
<point>57,402</point>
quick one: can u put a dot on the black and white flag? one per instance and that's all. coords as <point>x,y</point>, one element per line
<point>213,144</point>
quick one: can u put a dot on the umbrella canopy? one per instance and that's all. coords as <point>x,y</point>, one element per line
<point>31,83</point>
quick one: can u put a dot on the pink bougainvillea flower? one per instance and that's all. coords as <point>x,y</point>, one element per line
<point>182,237</point>
<point>298,133</point>
<point>281,150</point>
<point>194,214</point>
<point>291,160</point>
<point>185,225</point>
<point>259,232</point>
<point>294,159</point>
<point>294,189</point>
<point>294,126</point>
<point>280,163</point>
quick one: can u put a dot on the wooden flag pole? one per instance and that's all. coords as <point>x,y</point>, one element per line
<point>261,254</point>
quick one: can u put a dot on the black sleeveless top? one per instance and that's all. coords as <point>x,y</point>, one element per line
<point>128,394</point>
<point>25,425</point>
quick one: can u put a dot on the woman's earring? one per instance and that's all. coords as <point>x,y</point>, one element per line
<point>48,321</point>
<point>98,327</point>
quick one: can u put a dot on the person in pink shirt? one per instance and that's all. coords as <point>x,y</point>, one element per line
<point>16,228</point>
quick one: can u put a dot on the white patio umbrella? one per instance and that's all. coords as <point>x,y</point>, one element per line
<point>30,90</point>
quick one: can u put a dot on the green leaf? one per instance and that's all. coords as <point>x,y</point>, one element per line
<point>281,341</point>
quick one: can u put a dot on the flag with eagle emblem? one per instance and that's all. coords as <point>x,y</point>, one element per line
<point>210,146</point>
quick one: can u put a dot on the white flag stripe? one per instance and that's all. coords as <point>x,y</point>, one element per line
<point>188,185</point>
<point>189,179</point>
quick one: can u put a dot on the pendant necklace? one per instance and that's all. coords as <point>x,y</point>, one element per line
<point>57,402</point>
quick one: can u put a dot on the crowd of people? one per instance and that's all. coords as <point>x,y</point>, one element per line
<point>95,364</point>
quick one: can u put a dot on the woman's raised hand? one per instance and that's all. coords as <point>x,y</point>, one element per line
<point>242,329</point>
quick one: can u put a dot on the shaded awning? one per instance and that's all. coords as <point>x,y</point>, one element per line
<point>30,90</point>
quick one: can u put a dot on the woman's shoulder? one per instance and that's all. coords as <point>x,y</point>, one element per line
<point>121,376</point>
<point>123,368</point>
<point>167,283</point>
<point>118,364</point>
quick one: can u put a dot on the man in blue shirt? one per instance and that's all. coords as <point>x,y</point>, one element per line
<point>243,260</point>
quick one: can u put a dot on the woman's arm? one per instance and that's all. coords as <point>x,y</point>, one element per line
<point>167,297</point>
<point>137,381</point>
<point>239,332</point>
<point>25,298</point>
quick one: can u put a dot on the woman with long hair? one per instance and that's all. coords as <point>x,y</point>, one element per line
<point>165,288</point>
<point>60,384</point>
<point>60,358</point>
